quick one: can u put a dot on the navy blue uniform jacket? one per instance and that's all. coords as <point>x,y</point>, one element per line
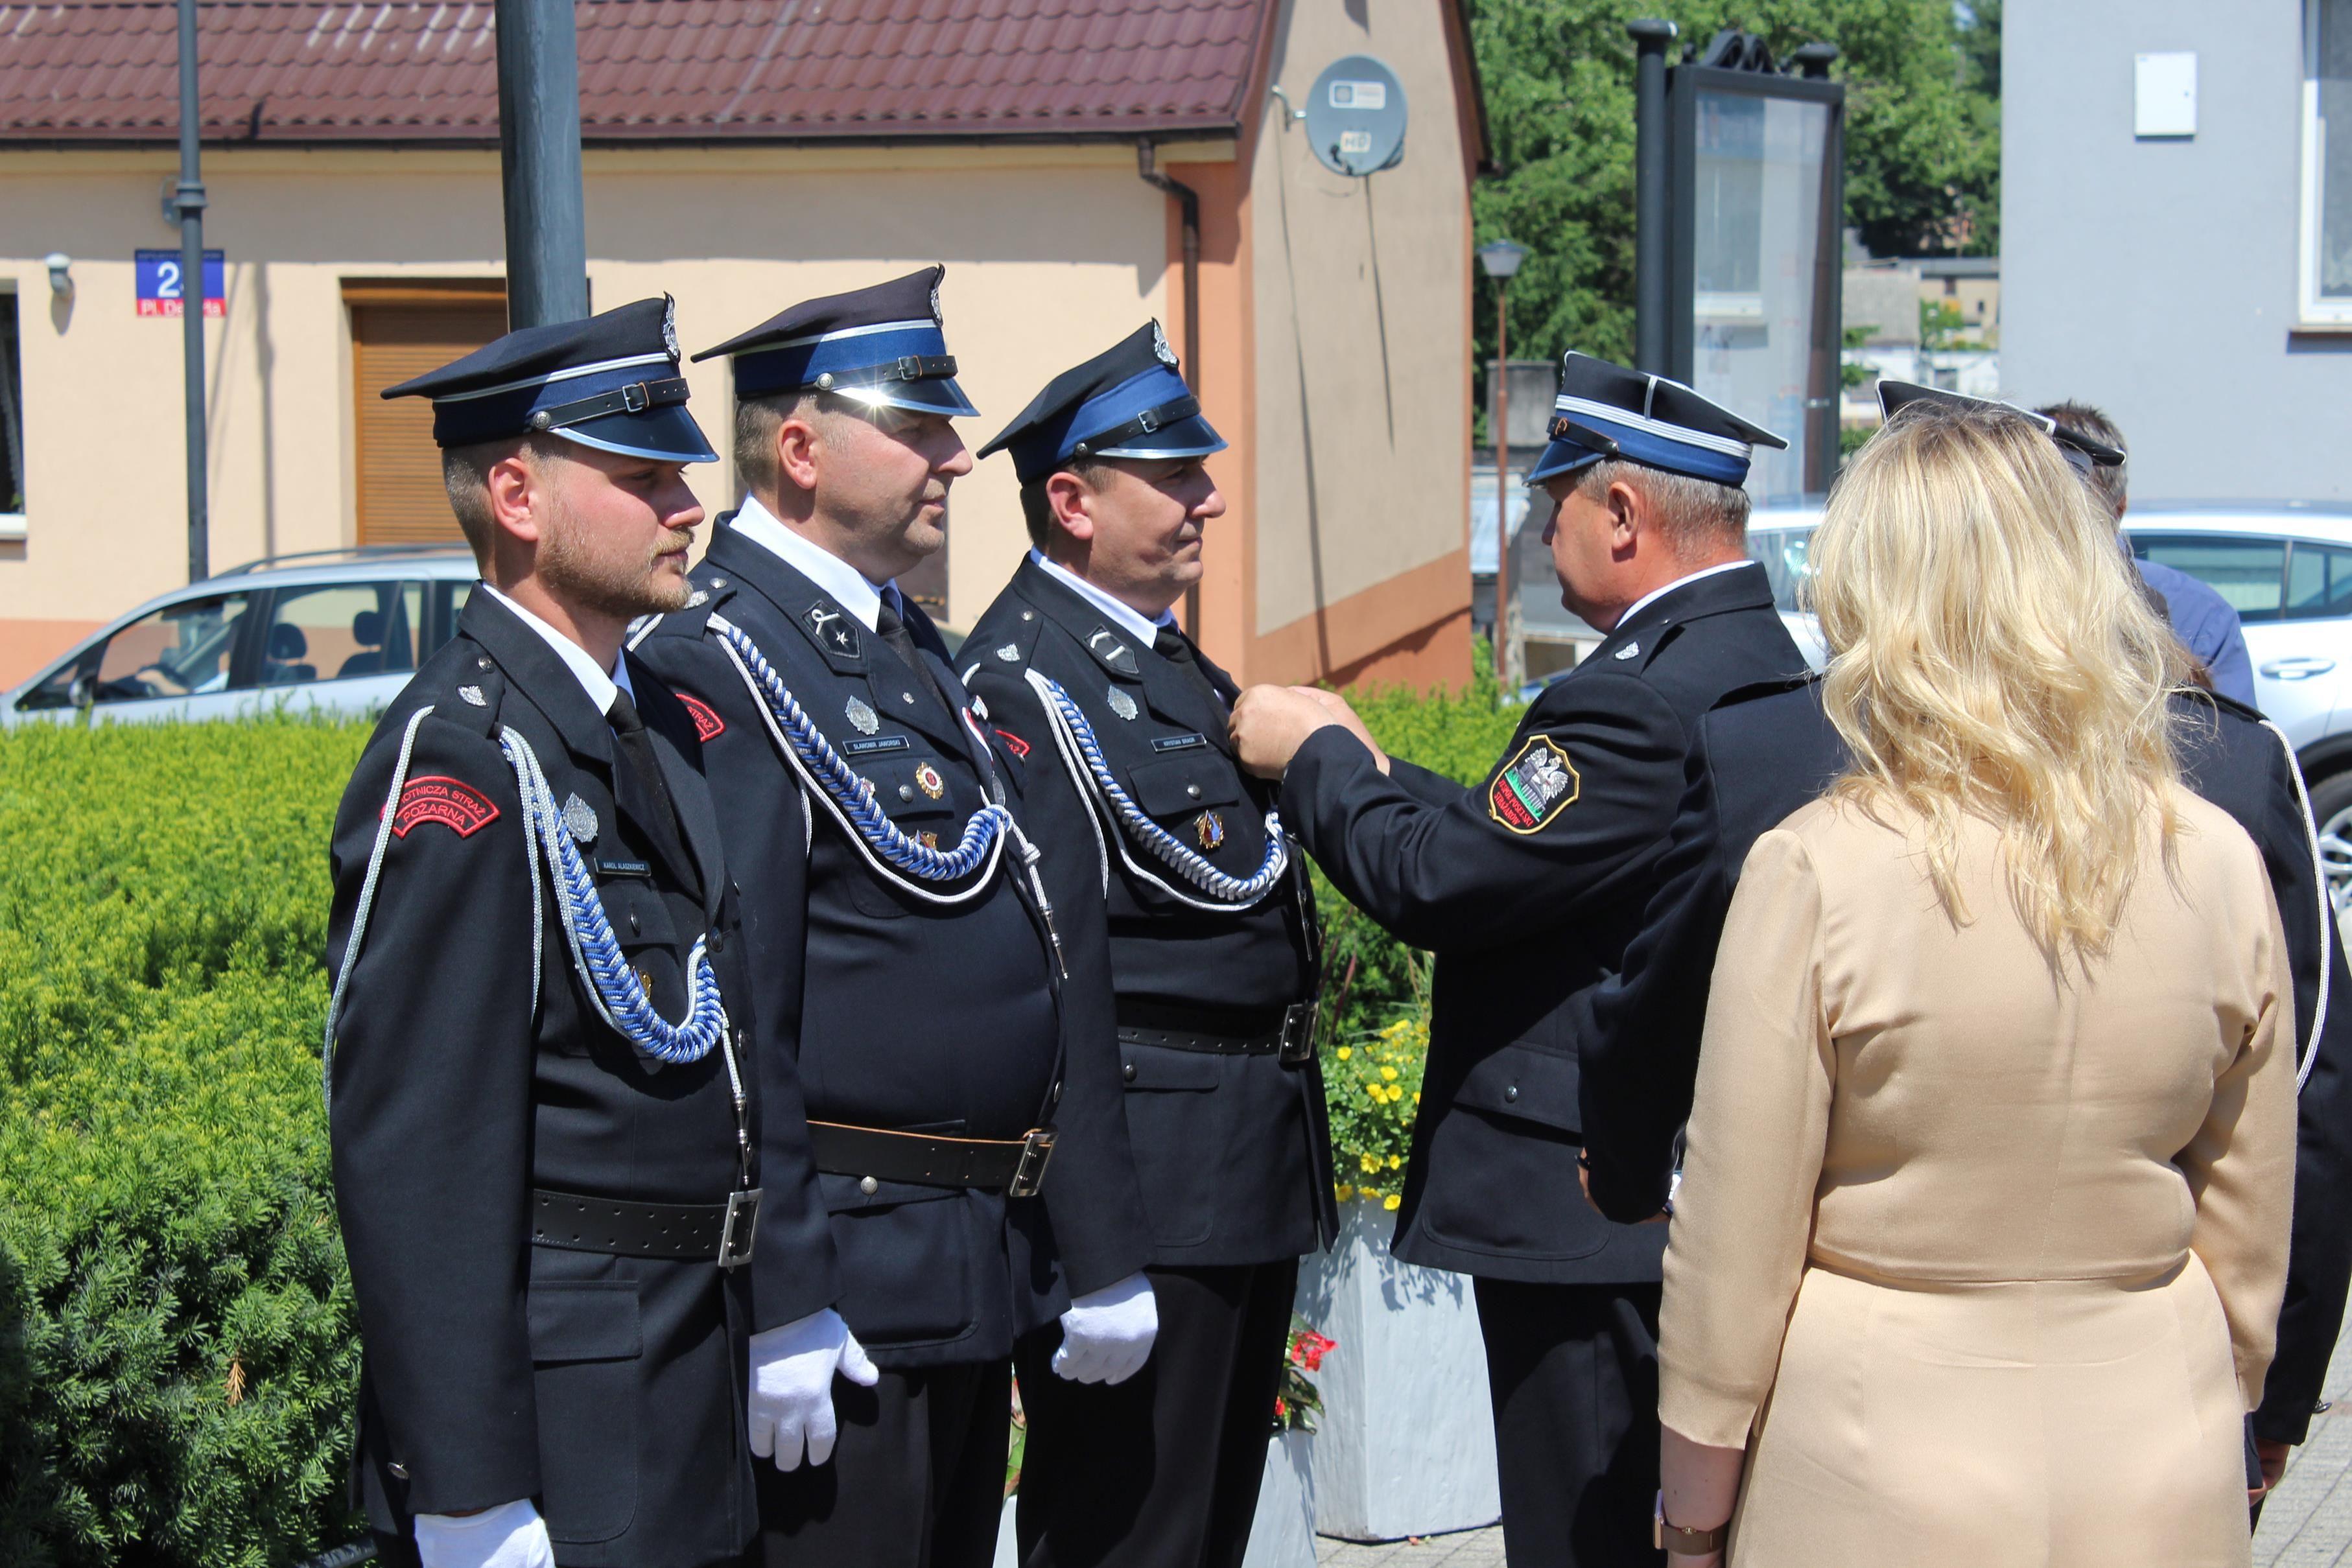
<point>1232,1149</point>
<point>897,1012</point>
<point>1760,758</point>
<point>608,1389</point>
<point>1527,888</point>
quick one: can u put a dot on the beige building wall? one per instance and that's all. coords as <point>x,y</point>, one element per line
<point>1361,352</point>
<point>1053,253</point>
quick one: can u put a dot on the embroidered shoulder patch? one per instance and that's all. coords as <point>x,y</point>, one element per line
<point>1012,742</point>
<point>452,803</point>
<point>707,722</point>
<point>1533,787</point>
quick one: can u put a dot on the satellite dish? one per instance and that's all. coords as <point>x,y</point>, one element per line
<point>1355,117</point>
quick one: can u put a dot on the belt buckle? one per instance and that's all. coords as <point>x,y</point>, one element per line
<point>742,1221</point>
<point>1298,1033</point>
<point>1036,1153</point>
<point>636,397</point>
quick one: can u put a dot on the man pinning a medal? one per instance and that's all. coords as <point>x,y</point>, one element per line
<point>539,1110</point>
<point>970,1143</point>
<point>1171,872</point>
<point>1529,888</point>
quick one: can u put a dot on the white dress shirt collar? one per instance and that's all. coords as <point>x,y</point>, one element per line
<point>1137,626</point>
<point>848,585</point>
<point>1657,593</point>
<point>599,685</point>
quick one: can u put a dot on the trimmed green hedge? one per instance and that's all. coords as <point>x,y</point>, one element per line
<point>177,1353</point>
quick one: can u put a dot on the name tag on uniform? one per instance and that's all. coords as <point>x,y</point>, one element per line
<point>878,743</point>
<point>1178,742</point>
<point>606,865</point>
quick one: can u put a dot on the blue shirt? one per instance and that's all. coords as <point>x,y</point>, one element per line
<point>2204,620</point>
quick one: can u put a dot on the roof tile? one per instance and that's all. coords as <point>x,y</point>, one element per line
<point>361,71</point>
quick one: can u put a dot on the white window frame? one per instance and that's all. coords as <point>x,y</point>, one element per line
<point>2311,310</point>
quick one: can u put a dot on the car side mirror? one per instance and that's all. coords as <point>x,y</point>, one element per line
<point>83,693</point>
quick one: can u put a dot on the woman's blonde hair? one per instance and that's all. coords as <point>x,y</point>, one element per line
<point>1991,656</point>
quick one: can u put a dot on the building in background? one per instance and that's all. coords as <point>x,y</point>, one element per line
<point>743,154</point>
<point>2177,233</point>
<point>1934,321</point>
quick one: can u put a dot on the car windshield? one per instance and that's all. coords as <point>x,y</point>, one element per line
<point>1783,552</point>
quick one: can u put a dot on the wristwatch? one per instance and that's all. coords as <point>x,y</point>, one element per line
<point>1681,1539</point>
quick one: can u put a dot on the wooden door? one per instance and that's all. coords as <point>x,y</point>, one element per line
<point>398,330</point>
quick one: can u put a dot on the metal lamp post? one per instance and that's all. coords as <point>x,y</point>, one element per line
<point>188,201</point>
<point>1499,259</point>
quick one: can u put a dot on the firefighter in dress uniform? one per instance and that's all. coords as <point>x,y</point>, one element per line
<point>1527,887</point>
<point>973,1156</point>
<point>1172,873</point>
<point>541,1127</point>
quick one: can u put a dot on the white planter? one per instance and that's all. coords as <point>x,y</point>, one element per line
<point>1008,1548</point>
<point>1406,1442</point>
<point>1281,1535</point>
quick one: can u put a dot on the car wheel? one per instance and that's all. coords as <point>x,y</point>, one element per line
<point>2331,807</point>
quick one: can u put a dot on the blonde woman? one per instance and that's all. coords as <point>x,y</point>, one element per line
<point>1983,1226</point>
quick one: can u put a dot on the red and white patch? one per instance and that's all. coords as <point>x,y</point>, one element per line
<point>707,725</point>
<point>1013,744</point>
<point>452,803</point>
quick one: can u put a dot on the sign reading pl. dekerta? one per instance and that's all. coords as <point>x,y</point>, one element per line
<point>162,291</point>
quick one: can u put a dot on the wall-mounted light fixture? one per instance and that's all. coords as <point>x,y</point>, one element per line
<point>60,267</point>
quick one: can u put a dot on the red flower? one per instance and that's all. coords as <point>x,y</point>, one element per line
<point>1309,1348</point>
<point>1281,1408</point>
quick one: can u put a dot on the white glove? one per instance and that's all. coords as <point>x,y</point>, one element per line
<point>511,1535</point>
<point>1107,1334</point>
<point>792,1385</point>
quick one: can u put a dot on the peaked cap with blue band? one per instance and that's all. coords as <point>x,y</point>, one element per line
<point>1608,411</point>
<point>610,382</point>
<point>1129,401</point>
<point>2082,451</point>
<point>884,346</point>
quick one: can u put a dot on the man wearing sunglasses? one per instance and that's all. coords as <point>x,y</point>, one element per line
<point>1527,888</point>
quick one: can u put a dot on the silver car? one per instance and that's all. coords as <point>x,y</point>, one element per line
<point>2284,567</point>
<point>338,632</point>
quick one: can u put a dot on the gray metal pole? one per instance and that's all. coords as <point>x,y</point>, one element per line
<point>1651,287</point>
<point>188,198</point>
<point>538,152</point>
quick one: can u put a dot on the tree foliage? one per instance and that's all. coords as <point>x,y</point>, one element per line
<point>1923,140</point>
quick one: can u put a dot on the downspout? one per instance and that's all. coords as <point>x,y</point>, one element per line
<point>1188,201</point>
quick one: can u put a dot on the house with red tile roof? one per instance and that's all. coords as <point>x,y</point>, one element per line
<point>743,154</point>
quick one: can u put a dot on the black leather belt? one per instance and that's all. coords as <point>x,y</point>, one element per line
<point>878,1154</point>
<point>1286,1032</point>
<point>721,1232</point>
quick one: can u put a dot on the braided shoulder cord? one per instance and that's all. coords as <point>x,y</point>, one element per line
<point>848,796</point>
<point>1074,738</point>
<point>614,987</point>
<point>366,903</point>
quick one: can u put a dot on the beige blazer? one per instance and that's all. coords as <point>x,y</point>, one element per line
<point>1980,1262</point>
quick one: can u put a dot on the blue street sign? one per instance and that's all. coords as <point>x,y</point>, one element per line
<point>162,290</point>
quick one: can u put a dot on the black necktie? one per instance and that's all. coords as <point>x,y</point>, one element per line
<point>1177,649</point>
<point>893,630</point>
<point>643,793</point>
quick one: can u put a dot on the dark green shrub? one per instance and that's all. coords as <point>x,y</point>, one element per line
<point>176,1349</point>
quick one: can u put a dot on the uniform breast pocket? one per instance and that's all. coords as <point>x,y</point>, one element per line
<point>918,797</point>
<point>586,1342</point>
<point>1196,796</point>
<point>648,937</point>
<point>1172,1115</point>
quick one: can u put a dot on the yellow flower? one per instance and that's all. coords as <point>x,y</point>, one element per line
<point>1416,1096</point>
<point>1345,1051</point>
<point>1375,1092</point>
<point>1390,1202</point>
<point>1395,1093</point>
<point>1389,1074</point>
<point>1372,1163</point>
<point>1395,1160</point>
<point>1343,1192</point>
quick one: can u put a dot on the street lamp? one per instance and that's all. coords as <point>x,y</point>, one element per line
<point>1498,259</point>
